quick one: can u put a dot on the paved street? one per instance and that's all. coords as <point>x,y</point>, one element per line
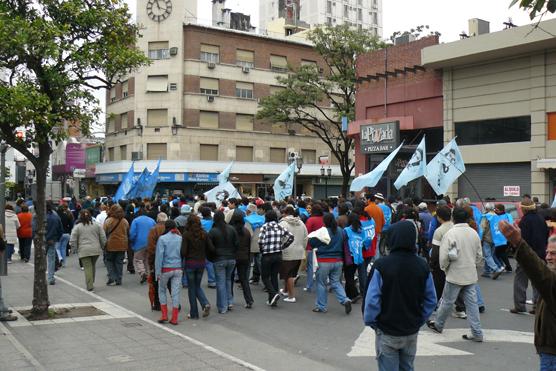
<point>288,337</point>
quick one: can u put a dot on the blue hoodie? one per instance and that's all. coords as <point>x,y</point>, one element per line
<point>140,228</point>
<point>207,224</point>
<point>255,220</point>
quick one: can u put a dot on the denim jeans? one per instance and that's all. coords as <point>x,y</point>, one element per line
<point>395,352</point>
<point>175,283</point>
<point>195,291</point>
<point>488,253</point>
<point>10,251</point>
<point>331,272</point>
<point>224,296</point>
<point>548,362</point>
<point>62,248</point>
<point>211,276</point>
<point>115,265</point>
<point>449,296</point>
<point>51,261</point>
<point>310,280</point>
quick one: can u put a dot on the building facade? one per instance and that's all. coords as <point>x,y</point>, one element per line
<point>363,14</point>
<point>196,103</point>
<point>499,100</point>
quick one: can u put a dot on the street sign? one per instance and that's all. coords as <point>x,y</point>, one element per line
<point>512,191</point>
<point>79,173</point>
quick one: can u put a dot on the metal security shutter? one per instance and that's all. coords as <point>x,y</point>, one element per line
<point>244,154</point>
<point>490,179</point>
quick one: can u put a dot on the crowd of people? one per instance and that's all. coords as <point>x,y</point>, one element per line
<point>428,269</point>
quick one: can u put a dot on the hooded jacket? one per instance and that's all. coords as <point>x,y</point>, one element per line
<point>401,294</point>
<point>296,251</point>
<point>12,225</point>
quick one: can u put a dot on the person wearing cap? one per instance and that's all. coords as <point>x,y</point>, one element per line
<point>181,220</point>
<point>535,233</point>
<point>138,236</point>
<point>376,213</point>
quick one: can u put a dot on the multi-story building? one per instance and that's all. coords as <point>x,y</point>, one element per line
<point>363,14</point>
<point>194,107</point>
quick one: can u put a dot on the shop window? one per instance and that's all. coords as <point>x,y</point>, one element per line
<point>502,130</point>
<point>551,121</point>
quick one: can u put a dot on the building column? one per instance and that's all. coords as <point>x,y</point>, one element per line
<point>448,116</point>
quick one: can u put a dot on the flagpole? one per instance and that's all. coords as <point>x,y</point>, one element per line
<point>472,186</point>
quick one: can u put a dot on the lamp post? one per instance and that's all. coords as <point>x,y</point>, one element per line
<point>326,174</point>
<point>3,148</point>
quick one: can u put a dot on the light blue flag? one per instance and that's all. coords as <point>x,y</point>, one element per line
<point>225,174</point>
<point>415,168</point>
<point>138,186</point>
<point>371,178</point>
<point>554,202</point>
<point>283,185</point>
<point>445,168</point>
<point>150,183</point>
<point>222,192</point>
<point>125,186</point>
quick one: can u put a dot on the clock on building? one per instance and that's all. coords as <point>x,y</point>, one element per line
<point>159,10</point>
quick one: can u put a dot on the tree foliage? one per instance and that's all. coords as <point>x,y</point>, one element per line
<point>536,7</point>
<point>53,54</point>
<point>308,92</point>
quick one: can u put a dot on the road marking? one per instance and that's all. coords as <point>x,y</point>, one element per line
<point>4,330</point>
<point>169,330</point>
<point>428,343</point>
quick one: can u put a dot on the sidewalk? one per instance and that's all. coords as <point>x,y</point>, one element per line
<point>119,340</point>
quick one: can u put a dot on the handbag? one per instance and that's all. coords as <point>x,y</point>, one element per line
<point>453,251</point>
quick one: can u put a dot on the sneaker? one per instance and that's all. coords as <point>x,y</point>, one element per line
<point>347,306</point>
<point>283,293</point>
<point>529,301</point>
<point>52,283</point>
<point>457,314</point>
<point>482,309</point>
<point>472,338</point>
<point>110,283</point>
<point>211,286</point>
<point>82,268</point>
<point>497,274</point>
<point>517,311</point>
<point>289,300</point>
<point>8,317</point>
<point>432,326</point>
<point>10,261</point>
<point>206,310</point>
<point>253,282</point>
<point>91,290</point>
<point>274,300</point>
<point>249,305</point>
<point>318,310</point>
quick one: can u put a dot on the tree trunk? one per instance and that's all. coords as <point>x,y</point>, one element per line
<point>345,184</point>
<point>40,288</point>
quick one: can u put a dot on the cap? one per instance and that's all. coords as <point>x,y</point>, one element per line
<point>259,201</point>
<point>379,196</point>
<point>185,209</point>
<point>441,203</point>
<point>423,206</point>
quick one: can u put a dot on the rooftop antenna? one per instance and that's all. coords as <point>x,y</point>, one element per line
<point>509,24</point>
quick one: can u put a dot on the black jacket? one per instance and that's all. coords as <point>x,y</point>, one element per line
<point>535,232</point>
<point>225,245</point>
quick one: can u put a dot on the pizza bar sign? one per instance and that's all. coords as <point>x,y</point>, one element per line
<point>512,191</point>
<point>378,138</point>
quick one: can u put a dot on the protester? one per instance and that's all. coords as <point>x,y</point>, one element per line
<point>543,278</point>
<point>294,254</point>
<point>243,258</point>
<point>460,252</point>
<point>400,297</point>
<point>489,227</point>
<point>138,236</point>
<point>374,211</point>
<point>11,227</point>
<point>101,217</point>
<point>88,239</point>
<point>67,219</point>
<point>330,263</point>
<point>168,268</point>
<point>207,223</point>
<point>444,217</point>
<point>314,222</point>
<point>54,231</point>
<point>253,223</point>
<point>152,239</point>
<point>194,249</point>
<point>25,233</point>
<point>181,220</point>
<point>355,241</point>
<point>117,230</point>
<point>225,241</point>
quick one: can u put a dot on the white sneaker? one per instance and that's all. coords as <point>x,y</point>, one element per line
<point>283,293</point>
<point>530,302</point>
<point>289,300</point>
<point>461,315</point>
<point>82,268</point>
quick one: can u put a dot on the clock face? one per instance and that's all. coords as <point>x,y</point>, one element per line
<point>159,10</point>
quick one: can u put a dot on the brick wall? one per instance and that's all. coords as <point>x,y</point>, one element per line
<point>191,84</point>
<point>227,120</point>
<point>191,117</point>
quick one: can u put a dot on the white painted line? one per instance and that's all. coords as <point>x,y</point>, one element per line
<point>21,348</point>
<point>169,330</point>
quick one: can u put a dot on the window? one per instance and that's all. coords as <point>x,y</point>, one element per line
<point>551,122</point>
<point>113,94</point>
<point>209,53</point>
<point>276,89</point>
<point>123,121</point>
<point>346,11</point>
<point>278,63</point>
<point>208,120</point>
<point>360,27</point>
<point>125,89</point>
<point>156,151</point>
<point>309,156</point>
<point>244,122</point>
<point>375,3</point>
<point>329,7</point>
<point>375,18</point>
<point>360,2</point>
<point>157,83</point>
<point>245,58</point>
<point>503,130</point>
<point>278,155</point>
<point>313,64</point>
<point>157,117</point>
<point>110,125</point>
<point>244,90</point>
<point>159,50</point>
<point>360,15</point>
<point>123,153</point>
<point>244,154</point>
<point>209,86</point>
<point>329,21</point>
<point>111,154</point>
<point>209,152</point>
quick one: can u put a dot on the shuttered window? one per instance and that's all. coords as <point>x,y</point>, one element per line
<point>209,152</point>
<point>278,63</point>
<point>309,156</point>
<point>308,63</point>
<point>157,83</point>
<point>276,89</point>
<point>112,94</point>
<point>208,120</point>
<point>157,117</point>
<point>278,155</point>
<point>111,154</point>
<point>245,58</point>
<point>123,121</point>
<point>123,153</point>
<point>156,151</point>
<point>244,122</point>
<point>244,90</point>
<point>551,120</point>
<point>210,53</point>
<point>110,125</point>
<point>209,86</point>
<point>159,50</point>
<point>125,89</point>
<point>244,154</point>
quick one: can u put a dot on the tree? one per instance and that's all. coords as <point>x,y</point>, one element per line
<point>305,91</point>
<point>535,7</point>
<point>54,53</point>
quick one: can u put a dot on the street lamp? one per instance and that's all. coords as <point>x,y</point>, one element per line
<point>326,174</point>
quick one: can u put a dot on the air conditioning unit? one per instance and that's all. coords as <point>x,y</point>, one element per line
<point>245,69</point>
<point>210,98</point>
<point>292,154</point>
<point>136,156</point>
<point>211,65</point>
<point>174,51</point>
